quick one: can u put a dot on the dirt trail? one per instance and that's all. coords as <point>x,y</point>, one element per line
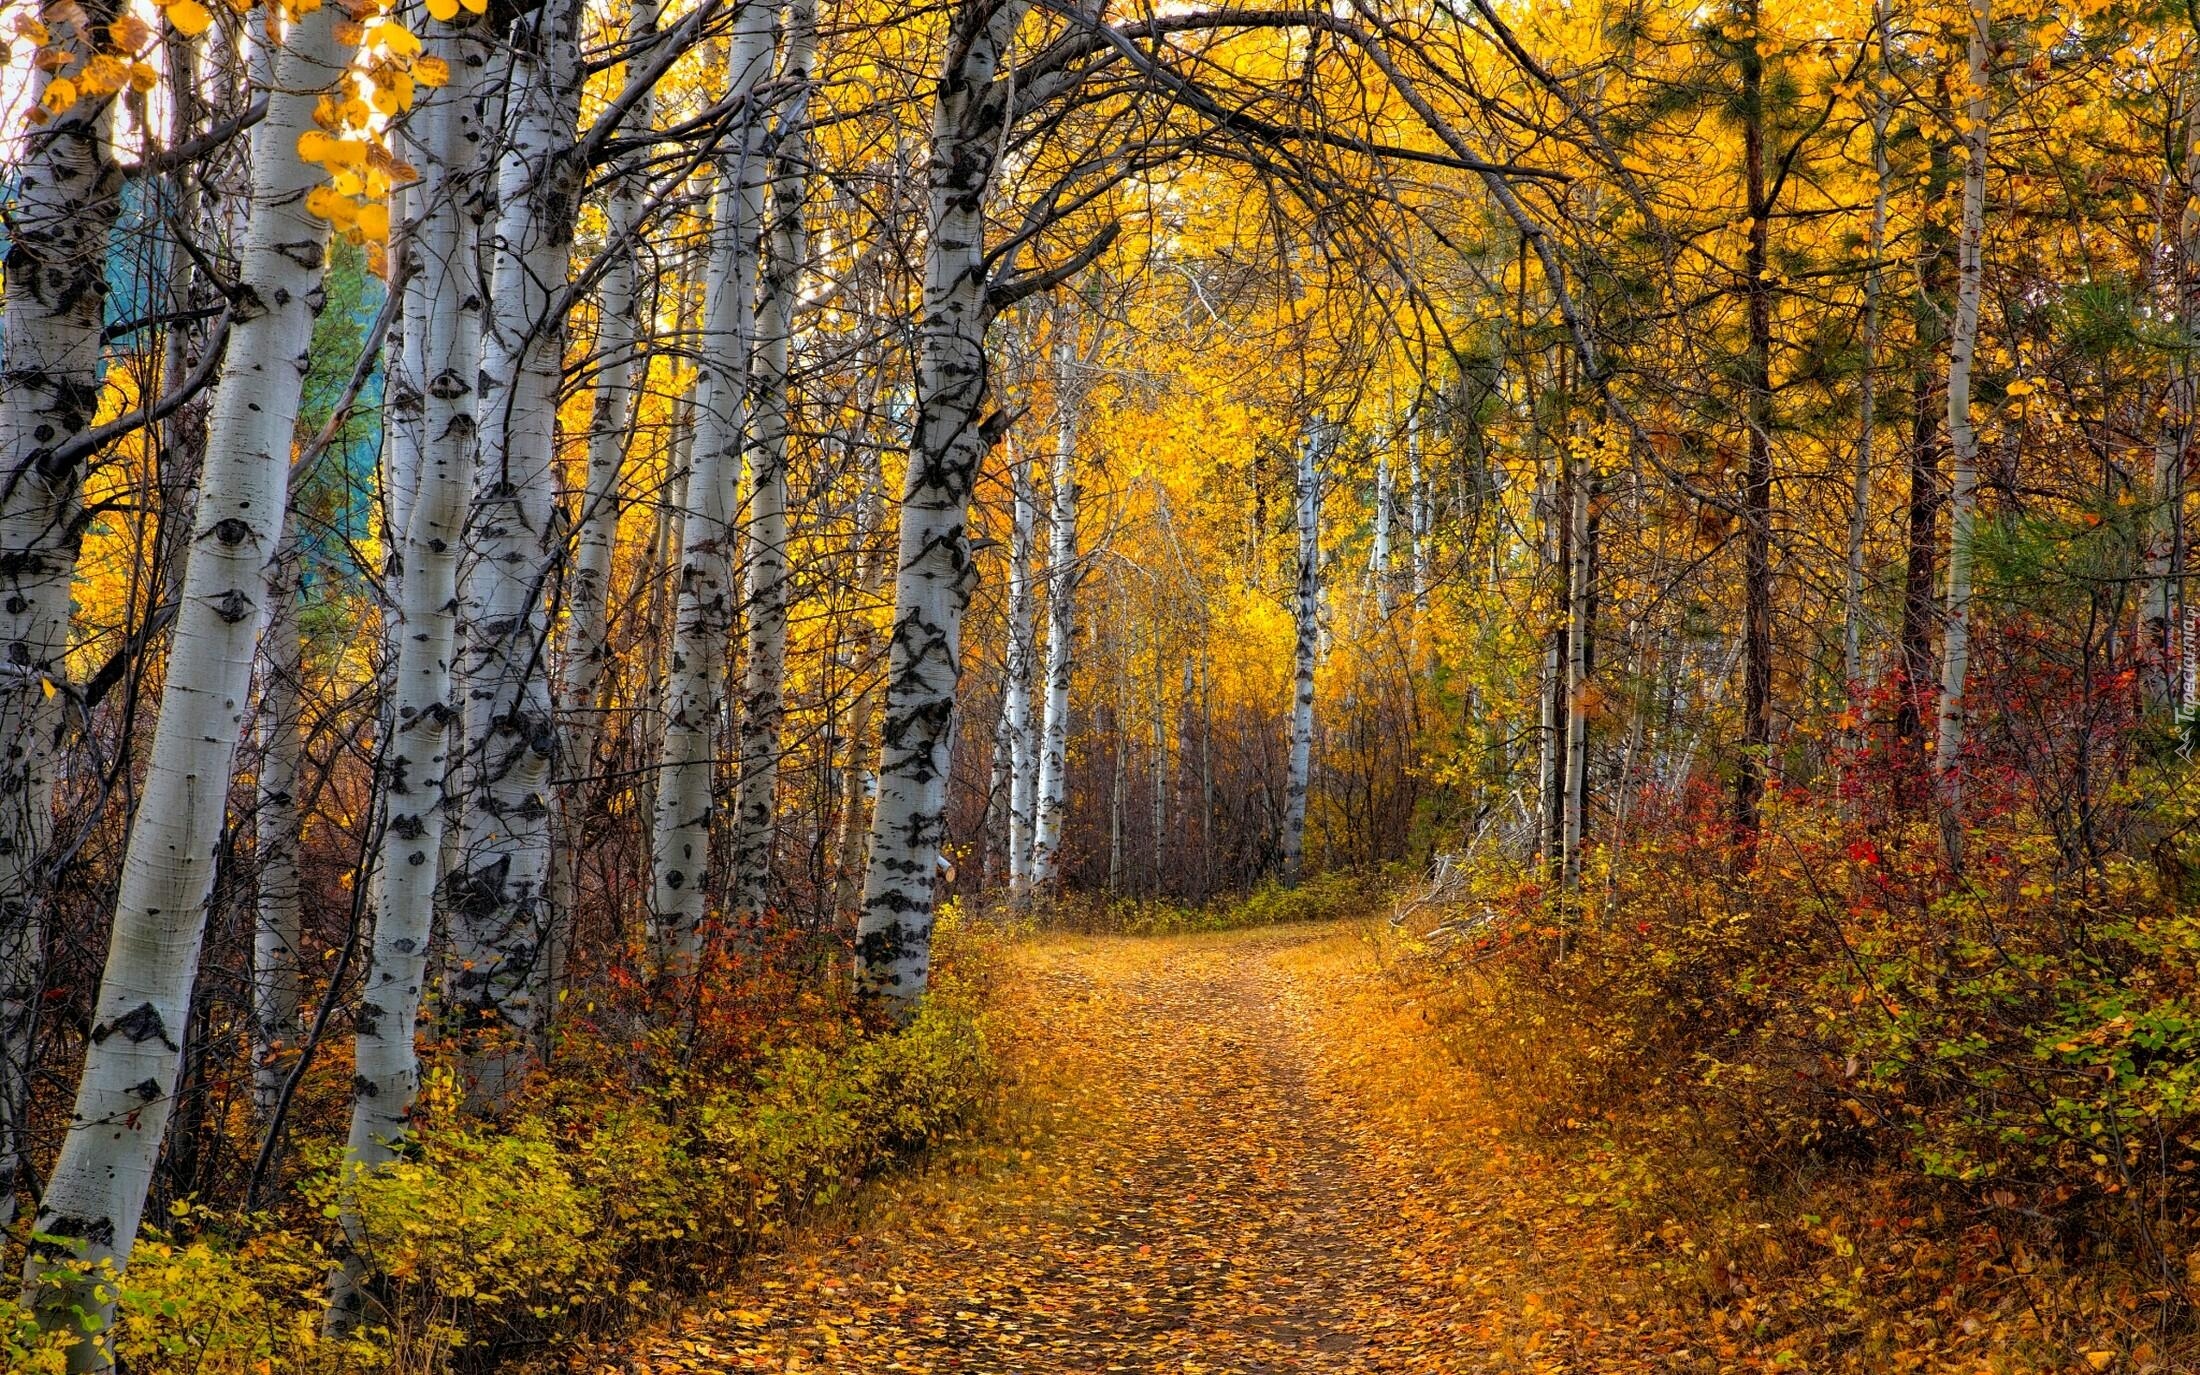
<point>1198,1196</point>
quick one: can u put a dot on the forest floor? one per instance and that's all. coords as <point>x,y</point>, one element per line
<point>1219,1161</point>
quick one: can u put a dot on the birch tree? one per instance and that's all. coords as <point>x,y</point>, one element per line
<point>499,895</point>
<point>620,341</point>
<point>417,778</point>
<point>93,1201</point>
<point>1016,705</point>
<point>1962,433</point>
<point>933,581</point>
<point>1306,624</point>
<point>1062,574</point>
<point>771,401</point>
<point>279,904</point>
<point>680,845</point>
<point>65,195</point>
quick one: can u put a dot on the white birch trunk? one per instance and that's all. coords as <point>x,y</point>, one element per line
<point>680,846</point>
<point>1306,610</point>
<point>60,218</point>
<point>1062,575</point>
<point>1417,481</point>
<point>771,400</point>
<point>933,582</point>
<point>1016,706</point>
<point>1852,607</point>
<point>417,775</point>
<point>275,967</point>
<point>96,1195</point>
<point>1157,810</point>
<point>1378,564</point>
<point>859,783</point>
<point>620,341</point>
<point>1963,439</point>
<point>1575,821</point>
<point>500,903</point>
<point>2166,651</point>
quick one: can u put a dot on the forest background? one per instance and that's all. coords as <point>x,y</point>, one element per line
<point>542,545</point>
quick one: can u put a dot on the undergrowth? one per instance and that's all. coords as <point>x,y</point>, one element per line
<point>649,1161</point>
<point>1842,1110</point>
<point>1332,895</point>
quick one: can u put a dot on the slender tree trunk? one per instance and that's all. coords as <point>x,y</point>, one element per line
<point>275,966</point>
<point>1061,579</point>
<point>501,912</point>
<point>771,399</point>
<point>1305,607</point>
<point>1579,665</point>
<point>1852,605</point>
<point>934,582</point>
<point>621,345</point>
<point>1016,704</point>
<point>1552,733</point>
<point>1930,308</point>
<point>680,848</point>
<point>1756,755</point>
<point>418,779</point>
<point>859,781</point>
<point>1379,556</point>
<point>64,196</point>
<point>1417,483</point>
<point>1115,790</point>
<point>1158,804</point>
<point>93,1201</point>
<point>1963,437</point>
<point>2164,664</point>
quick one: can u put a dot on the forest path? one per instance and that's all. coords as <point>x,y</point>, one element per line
<point>1198,1189</point>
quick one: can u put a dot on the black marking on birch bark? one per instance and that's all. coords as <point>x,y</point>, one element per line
<point>65,1235</point>
<point>140,1024</point>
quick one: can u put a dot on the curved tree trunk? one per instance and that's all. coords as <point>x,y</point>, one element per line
<point>96,1195</point>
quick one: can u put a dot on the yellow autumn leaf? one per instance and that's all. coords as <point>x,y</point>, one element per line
<point>189,17</point>
<point>400,41</point>
<point>314,146</point>
<point>143,77</point>
<point>374,221</point>
<point>323,202</point>
<point>432,71</point>
<point>130,33</point>
<point>60,95</point>
<point>103,75</point>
